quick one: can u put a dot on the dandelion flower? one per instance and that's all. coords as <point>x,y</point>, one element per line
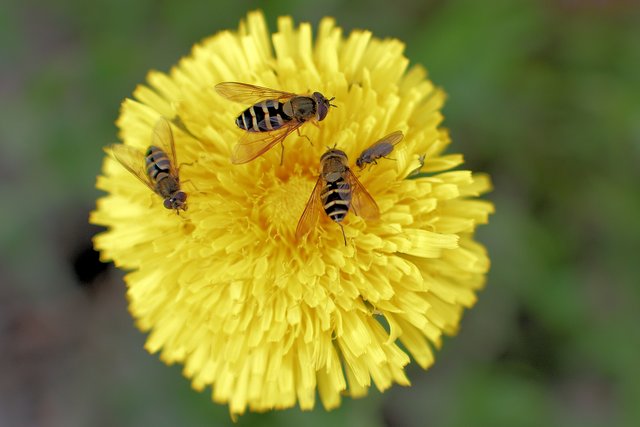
<point>226,290</point>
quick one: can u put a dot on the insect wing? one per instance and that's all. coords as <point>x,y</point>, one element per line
<point>250,94</point>
<point>384,146</point>
<point>133,160</point>
<point>363,204</point>
<point>309,216</point>
<point>393,138</point>
<point>254,144</point>
<point>163,138</point>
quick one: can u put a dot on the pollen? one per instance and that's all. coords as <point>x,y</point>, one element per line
<point>284,204</point>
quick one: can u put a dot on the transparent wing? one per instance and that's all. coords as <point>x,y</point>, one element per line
<point>393,138</point>
<point>133,160</point>
<point>361,201</point>
<point>163,137</point>
<point>254,144</point>
<point>309,216</point>
<point>250,94</point>
<point>384,145</point>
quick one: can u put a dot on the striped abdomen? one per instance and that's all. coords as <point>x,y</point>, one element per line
<point>159,170</point>
<point>263,117</point>
<point>336,199</point>
<point>157,163</point>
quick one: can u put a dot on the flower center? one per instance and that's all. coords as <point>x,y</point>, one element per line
<point>285,202</point>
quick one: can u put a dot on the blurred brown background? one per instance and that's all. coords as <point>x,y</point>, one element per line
<point>543,95</point>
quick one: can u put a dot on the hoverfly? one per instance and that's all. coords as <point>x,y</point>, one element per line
<point>381,148</point>
<point>157,168</point>
<point>272,117</point>
<point>337,190</point>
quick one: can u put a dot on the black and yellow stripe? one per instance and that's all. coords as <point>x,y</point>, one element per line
<point>263,117</point>
<point>336,199</point>
<point>157,163</point>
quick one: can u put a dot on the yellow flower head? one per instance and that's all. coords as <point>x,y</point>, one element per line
<point>226,289</point>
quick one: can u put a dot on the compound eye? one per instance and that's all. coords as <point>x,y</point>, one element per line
<point>323,105</point>
<point>181,196</point>
<point>167,203</point>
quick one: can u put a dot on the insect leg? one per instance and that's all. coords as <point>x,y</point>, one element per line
<point>281,153</point>
<point>343,235</point>
<point>305,136</point>
<point>190,182</point>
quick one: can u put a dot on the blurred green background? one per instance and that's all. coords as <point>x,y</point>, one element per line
<point>543,95</point>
